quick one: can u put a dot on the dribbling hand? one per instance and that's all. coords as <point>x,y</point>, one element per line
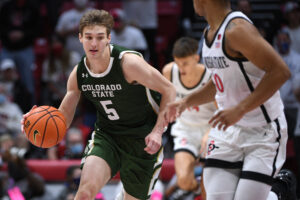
<point>24,118</point>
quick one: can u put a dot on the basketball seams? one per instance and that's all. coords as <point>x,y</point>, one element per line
<point>52,113</point>
<point>41,107</point>
<point>62,119</point>
<point>57,130</point>
<point>58,117</point>
<point>39,119</point>
<point>45,128</point>
<point>28,135</point>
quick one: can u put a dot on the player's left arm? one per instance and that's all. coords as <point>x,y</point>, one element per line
<point>244,38</point>
<point>136,69</point>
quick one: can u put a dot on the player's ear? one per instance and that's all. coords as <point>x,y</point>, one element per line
<point>80,37</point>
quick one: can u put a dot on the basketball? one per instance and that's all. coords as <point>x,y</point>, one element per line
<point>45,126</point>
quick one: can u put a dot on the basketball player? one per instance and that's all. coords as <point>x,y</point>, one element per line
<point>128,132</point>
<point>247,142</point>
<point>191,128</point>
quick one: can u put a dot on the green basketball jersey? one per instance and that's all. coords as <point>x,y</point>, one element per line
<point>122,108</point>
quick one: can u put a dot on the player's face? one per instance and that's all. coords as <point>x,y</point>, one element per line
<point>94,40</point>
<point>187,64</point>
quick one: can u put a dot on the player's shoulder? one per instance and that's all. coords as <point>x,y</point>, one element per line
<point>239,26</point>
<point>131,58</point>
<point>167,69</point>
<point>240,32</point>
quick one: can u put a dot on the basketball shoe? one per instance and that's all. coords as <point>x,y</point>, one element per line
<point>285,185</point>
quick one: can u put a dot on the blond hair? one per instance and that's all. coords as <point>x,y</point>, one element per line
<point>96,17</point>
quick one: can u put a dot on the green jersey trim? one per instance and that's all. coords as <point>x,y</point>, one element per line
<point>135,52</point>
<point>152,102</point>
<point>111,61</point>
<point>157,168</point>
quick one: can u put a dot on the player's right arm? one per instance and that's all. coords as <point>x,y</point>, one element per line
<point>167,70</point>
<point>204,95</point>
<point>71,99</point>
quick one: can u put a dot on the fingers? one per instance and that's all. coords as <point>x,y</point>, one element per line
<point>173,111</point>
<point>152,147</point>
<point>24,118</point>
<point>219,121</point>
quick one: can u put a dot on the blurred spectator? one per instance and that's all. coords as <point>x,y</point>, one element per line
<point>68,23</point>
<point>21,179</point>
<point>291,12</point>
<point>74,144</point>
<point>126,35</point>
<point>292,59</point>
<point>264,26</point>
<point>6,142</point>
<point>53,9</point>
<point>55,72</point>
<point>187,18</point>
<point>19,28</point>
<point>72,183</point>
<point>8,77</point>
<point>10,115</point>
<point>12,85</point>
<point>71,148</point>
<point>245,7</point>
<point>146,20</point>
<point>289,91</point>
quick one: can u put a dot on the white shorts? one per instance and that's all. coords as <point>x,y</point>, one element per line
<point>188,138</point>
<point>259,152</point>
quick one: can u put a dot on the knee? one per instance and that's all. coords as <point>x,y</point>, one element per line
<point>186,183</point>
<point>84,194</point>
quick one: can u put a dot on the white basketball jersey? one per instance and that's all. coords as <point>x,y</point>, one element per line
<point>236,78</point>
<point>197,115</point>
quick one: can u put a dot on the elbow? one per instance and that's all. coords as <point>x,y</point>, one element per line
<point>288,74</point>
<point>285,74</point>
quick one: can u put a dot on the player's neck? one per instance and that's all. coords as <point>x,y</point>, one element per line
<point>214,20</point>
<point>193,77</point>
<point>100,63</point>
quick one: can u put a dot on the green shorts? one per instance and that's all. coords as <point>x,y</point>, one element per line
<point>138,170</point>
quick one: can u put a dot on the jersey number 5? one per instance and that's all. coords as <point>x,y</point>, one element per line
<point>111,112</point>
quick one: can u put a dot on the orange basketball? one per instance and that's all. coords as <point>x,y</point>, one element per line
<point>45,126</point>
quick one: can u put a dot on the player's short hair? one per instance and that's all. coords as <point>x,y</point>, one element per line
<point>96,17</point>
<point>185,46</point>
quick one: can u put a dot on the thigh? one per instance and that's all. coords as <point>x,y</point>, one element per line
<point>139,170</point>
<point>249,190</point>
<point>95,174</point>
<point>103,146</point>
<point>265,152</point>
<point>188,138</point>
<point>223,149</point>
<point>184,164</point>
<point>220,184</point>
